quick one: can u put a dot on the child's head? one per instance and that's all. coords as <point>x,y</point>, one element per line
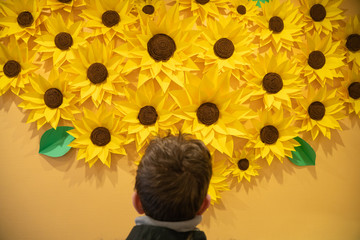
<point>173,179</point>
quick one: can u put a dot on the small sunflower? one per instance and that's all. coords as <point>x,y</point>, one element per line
<point>320,112</point>
<point>49,100</point>
<point>149,9</point>
<point>350,91</point>
<point>15,66</point>
<point>280,25</point>
<point>203,8</point>
<point>21,18</point>
<point>321,16</point>
<point>60,39</point>
<point>244,165</point>
<point>96,72</point>
<point>66,5</point>
<point>98,135</point>
<point>244,12</point>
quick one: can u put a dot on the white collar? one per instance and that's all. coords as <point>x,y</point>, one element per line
<point>182,226</point>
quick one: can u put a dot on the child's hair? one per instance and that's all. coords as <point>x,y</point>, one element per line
<point>173,178</point>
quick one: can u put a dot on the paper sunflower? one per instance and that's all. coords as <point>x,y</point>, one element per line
<point>321,16</point>
<point>147,112</point>
<point>320,112</point>
<point>60,39</point>
<point>98,135</point>
<point>148,9</point>
<point>351,40</point>
<point>66,5</point>
<point>219,181</point>
<point>21,18</point>
<point>163,50</point>
<point>15,66</point>
<point>275,79</point>
<point>226,44</point>
<point>321,58</point>
<point>273,135</point>
<point>244,165</point>
<point>109,18</point>
<point>49,100</point>
<point>280,25</point>
<point>96,73</point>
<point>244,12</point>
<point>350,91</point>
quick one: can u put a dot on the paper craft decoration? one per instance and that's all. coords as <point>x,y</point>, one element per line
<point>54,143</point>
<point>304,155</point>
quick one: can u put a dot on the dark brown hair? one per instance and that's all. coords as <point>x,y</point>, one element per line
<point>173,178</point>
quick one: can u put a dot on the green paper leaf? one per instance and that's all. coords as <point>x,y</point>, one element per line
<point>259,2</point>
<point>54,143</point>
<point>304,154</point>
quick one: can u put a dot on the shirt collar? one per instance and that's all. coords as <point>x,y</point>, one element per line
<point>182,226</point>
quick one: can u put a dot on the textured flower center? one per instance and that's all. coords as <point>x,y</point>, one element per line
<point>53,98</point>
<point>207,113</point>
<point>97,73</point>
<point>316,59</point>
<point>354,90</point>
<point>353,42</point>
<point>316,111</point>
<point>110,18</point>
<point>202,2</point>
<point>11,68</point>
<point>147,115</point>
<point>243,164</point>
<point>318,12</point>
<point>224,48</point>
<point>272,83</point>
<point>276,24</point>
<point>25,19</point>
<point>269,134</point>
<point>63,41</point>
<point>64,1</point>
<point>241,9</point>
<point>148,9</point>
<point>161,47</point>
<point>100,136</point>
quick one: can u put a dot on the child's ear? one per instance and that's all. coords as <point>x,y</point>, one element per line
<point>205,205</point>
<point>136,203</point>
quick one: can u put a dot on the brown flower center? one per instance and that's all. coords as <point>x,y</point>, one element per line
<point>53,98</point>
<point>272,82</point>
<point>63,41</point>
<point>243,164</point>
<point>25,19</point>
<point>207,113</point>
<point>354,90</point>
<point>147,115</point>
<point>110,18</point>
<point>224,48</point>
<point>64,1</point>
<point>100,136</point>
<point>269,134</point>
<point>353,42</point>
<point>276,24</point>
<point>318,12</point>
<point>161,47</point>
<point>148,9</point>
<point>202,2</point>
<point>316,59</point>
<point>316,111</point>
<point>97,73</point>
<point>241,9</point>
<point>11,68</point>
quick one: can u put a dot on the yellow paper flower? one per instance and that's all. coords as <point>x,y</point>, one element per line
<point>66,5</point>
<point>244,165</point>
<point>15,66</point>
<point>280,25</point>
<point>21,18</point>
<point>275,79</point>
<point>219,181</point>
<point>49,100</point>
<point>350,91</point>
<point>226,44</point>
<point>162,51</point>
<point>60,39</point>
<point>320,112</point>
<point>109,18</point>
<point>147,112</point>
<point>98,135</point>
<point>273,135</point>
<point>244,12</point>
<point>148,10</point>
<point>321,16</point>
<point>96,73</point>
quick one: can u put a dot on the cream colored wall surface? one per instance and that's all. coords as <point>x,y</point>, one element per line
<point>43,198</point>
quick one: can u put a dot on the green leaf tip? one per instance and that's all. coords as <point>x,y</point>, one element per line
<point>54,143</point>
<point>304,155</point>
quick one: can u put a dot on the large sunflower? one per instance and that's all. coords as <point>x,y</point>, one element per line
<point>280,25</point>
<point>15,66</point>
<point>350,91</point>
<point>49,100</point>
<point>321,16</point>
<point>66,5</point>
<point>320,112</point>
<point>244,165</point>
<point>96,72</point>
<point>60,39</point>
<point>244,12</point>
<point>97,135</point>
<point>163,50</point>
